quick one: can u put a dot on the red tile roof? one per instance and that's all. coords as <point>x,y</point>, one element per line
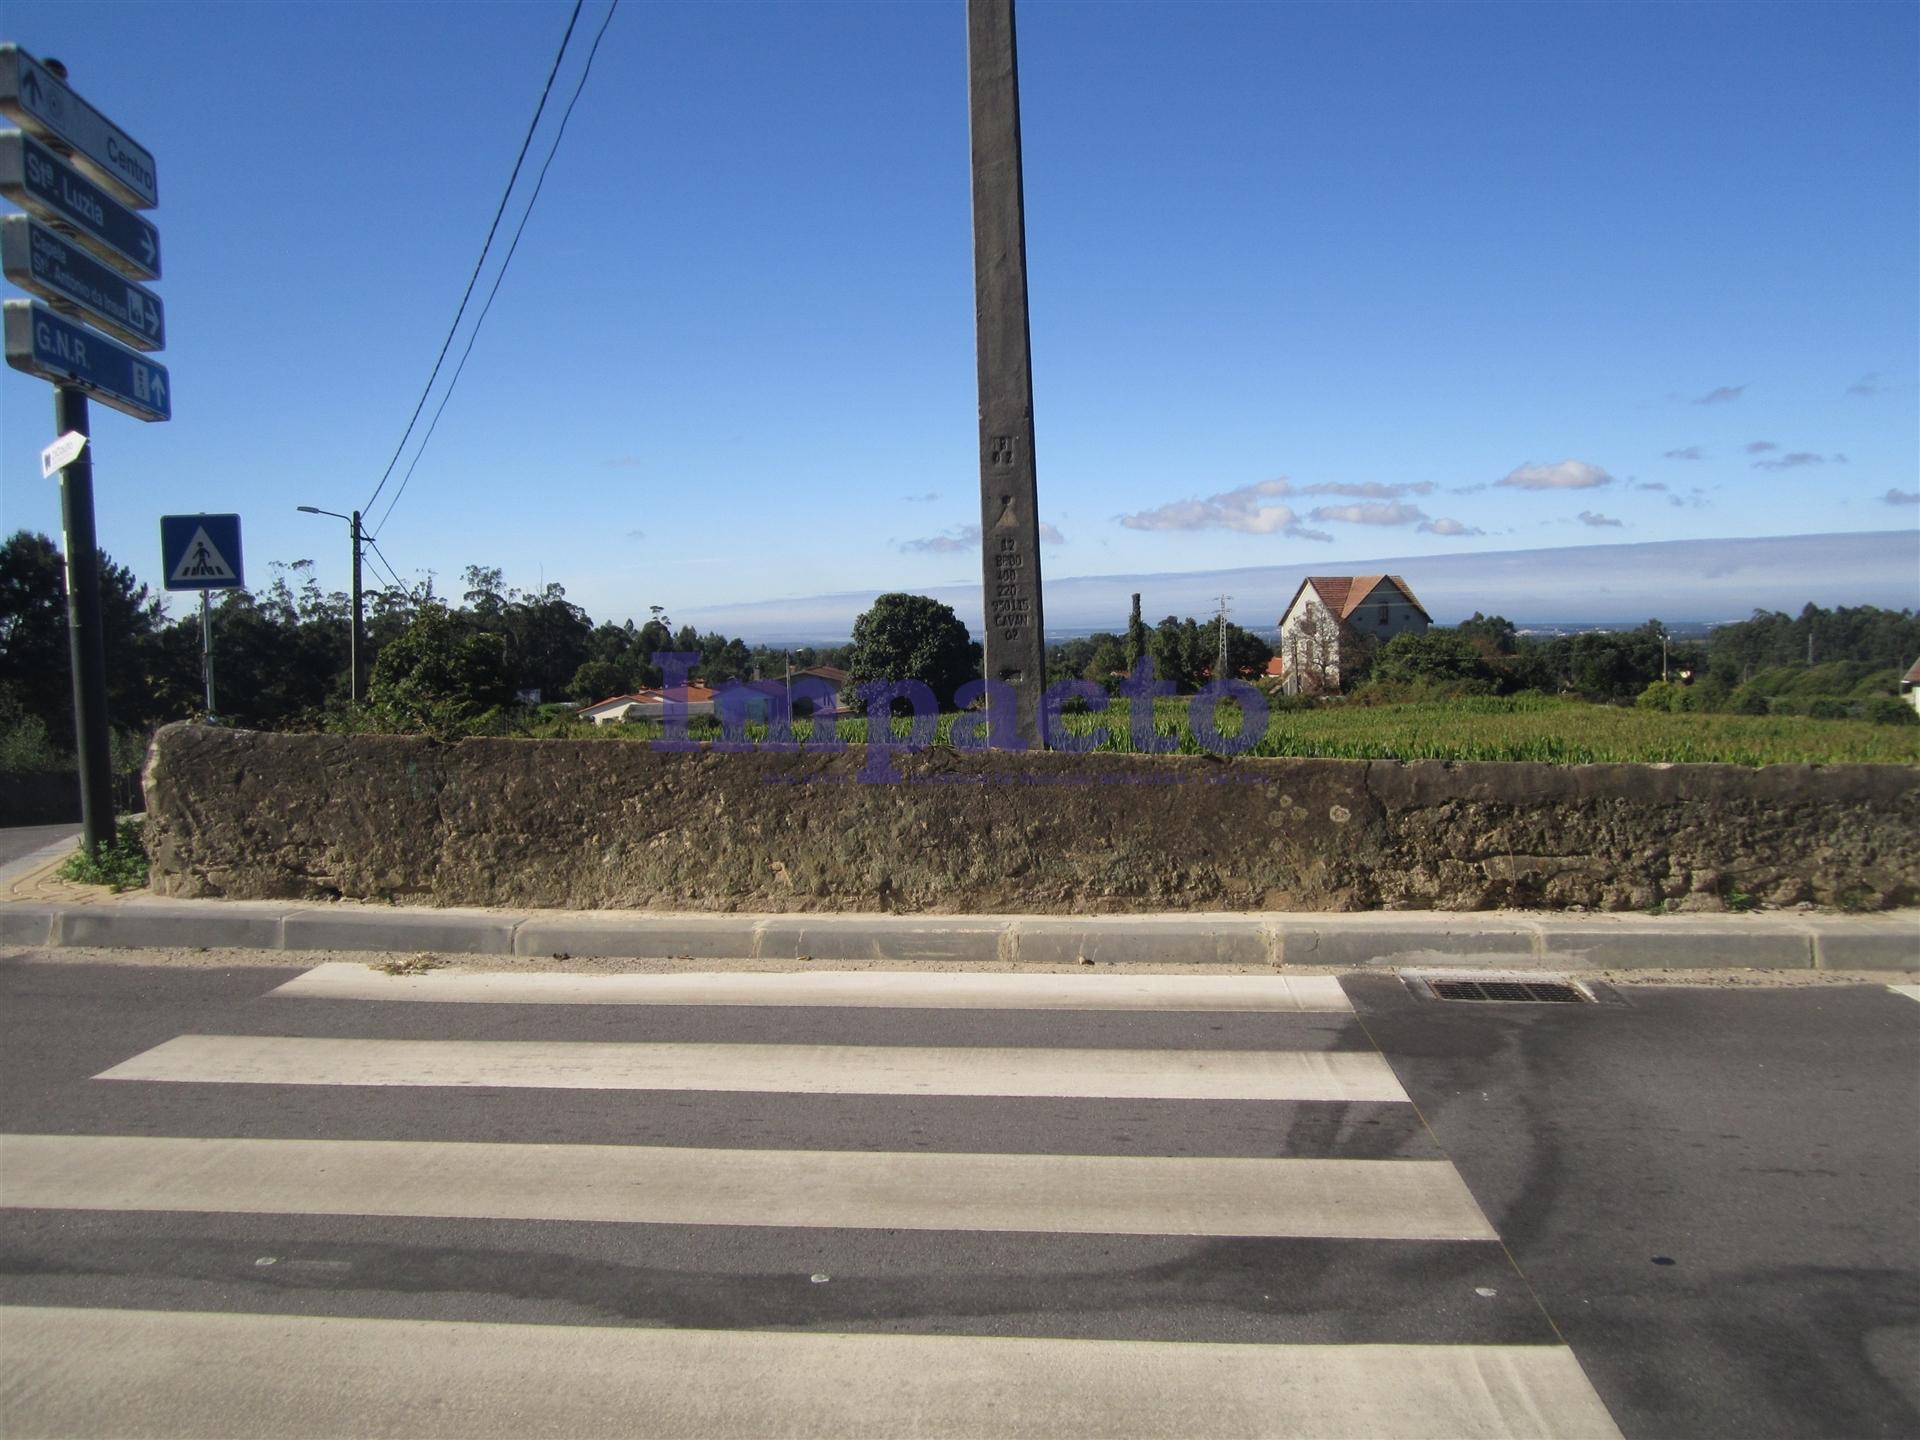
<point>1344,594</point>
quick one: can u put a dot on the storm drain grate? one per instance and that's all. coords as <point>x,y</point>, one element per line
<point>1549,991</point>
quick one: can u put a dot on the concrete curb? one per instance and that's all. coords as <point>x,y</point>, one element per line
<point>1503,939</point>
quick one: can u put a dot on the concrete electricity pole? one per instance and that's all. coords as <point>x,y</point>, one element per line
<point>1009,503</point>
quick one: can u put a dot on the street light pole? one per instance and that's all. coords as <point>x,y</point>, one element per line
<point>356,642</point>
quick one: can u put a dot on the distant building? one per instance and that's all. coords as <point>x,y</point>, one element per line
<point>1333,619</point>
<point>649,704</point>
<point>806,699</point>
<point>1910,684</point>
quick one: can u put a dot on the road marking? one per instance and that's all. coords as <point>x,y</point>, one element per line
<point>1912,992</point>
<point>129,1372</point>
<point>1050,1194</point>
<point>936,990</point>
<point>1350,1075</point>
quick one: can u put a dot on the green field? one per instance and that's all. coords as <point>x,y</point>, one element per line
<point>1523,727</point>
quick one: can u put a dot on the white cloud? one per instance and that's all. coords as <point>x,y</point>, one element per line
<point>1449,527</point>
<point>1388,513</point>
<point>930,496</point>
<point>1724,395</point>
<point>1797,459</point>
<point>1590,517</point>
<point>1369,489</point>
<point>1690,452</point>
<point>955,538</point>
<point>1902,497</point>
<point>967,537</point>
<point>1760,447</point>
<point>1244,509</point>
<point>1567,475</point>
<point>1867,385</point>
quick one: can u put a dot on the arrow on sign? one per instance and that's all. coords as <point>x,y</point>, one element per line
<point>61,453</point>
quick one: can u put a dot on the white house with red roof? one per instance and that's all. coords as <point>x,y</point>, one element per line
<point>649,704</point>
<point>1333,618</point>
<point>1910,684</point>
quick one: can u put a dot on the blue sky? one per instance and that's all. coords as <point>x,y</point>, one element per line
<point>1310,283</point>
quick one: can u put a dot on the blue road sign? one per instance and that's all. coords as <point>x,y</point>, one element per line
<point>200,552</point>
<point>38,99</point>
<point>37,259</point>
<point>54,348</point>
<point>37,180</point>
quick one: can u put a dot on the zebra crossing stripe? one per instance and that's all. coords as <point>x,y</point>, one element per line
<point>1912,992</point>
<point>797,1069</point>
<point>933,990</point>
<point>175,1373</point>
<point>1053,1194</point>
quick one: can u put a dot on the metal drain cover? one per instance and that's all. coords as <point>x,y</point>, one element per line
<point>1530,991</point>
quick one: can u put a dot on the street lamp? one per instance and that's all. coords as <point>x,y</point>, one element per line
<point>354,644</point>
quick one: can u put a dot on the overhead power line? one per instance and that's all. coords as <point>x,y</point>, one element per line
<point>512,246</point>
<point>474,279</point>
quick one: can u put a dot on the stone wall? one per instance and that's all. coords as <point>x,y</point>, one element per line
<point>615,824</point>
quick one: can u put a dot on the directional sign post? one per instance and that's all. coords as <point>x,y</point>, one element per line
<point>39,181</point>
<point>37,259</point>
<point>33,95</point>
<point>76,173</point>
<point>61,453</point>
<point>55,348</point>
<point>201,552</point>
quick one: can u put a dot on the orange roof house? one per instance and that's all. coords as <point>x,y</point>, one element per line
<point>1333,618</point>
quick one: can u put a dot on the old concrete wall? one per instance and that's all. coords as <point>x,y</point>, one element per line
<point>593,824</point>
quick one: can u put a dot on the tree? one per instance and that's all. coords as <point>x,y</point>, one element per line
<point>1247,653</point>
<point>1435,657</point>
<point>598,680</point>
<point>1138,637</point>
<point>436,679</point>
<point>912,637</point>
<point>547,639</point>
<point>1492,635</point>
<point>35,665</point>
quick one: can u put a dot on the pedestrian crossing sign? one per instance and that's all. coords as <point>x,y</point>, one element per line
<point>200,552</point>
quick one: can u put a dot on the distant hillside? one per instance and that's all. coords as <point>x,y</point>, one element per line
<point>1676,580</point>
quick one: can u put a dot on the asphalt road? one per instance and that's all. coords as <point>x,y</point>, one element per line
<point>1711,1195</point>
<point>19,841</point>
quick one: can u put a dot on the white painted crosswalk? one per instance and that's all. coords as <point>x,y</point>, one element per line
<point>799,1069</point>
<point>365,1378</point>
<point>936,990</point>
<point>1300,1162</point>
<point>1086,1194</point>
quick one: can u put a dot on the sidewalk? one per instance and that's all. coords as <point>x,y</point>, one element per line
<point>39,910</point>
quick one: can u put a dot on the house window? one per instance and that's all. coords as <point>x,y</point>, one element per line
<point>1383,614</point>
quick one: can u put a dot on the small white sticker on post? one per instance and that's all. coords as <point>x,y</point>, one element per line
<point>61,453</point>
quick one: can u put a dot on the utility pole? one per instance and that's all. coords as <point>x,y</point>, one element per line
<point>357,643</point>
<point>356,640</point>
<point>1220,663</point>
<point>1016,653</point>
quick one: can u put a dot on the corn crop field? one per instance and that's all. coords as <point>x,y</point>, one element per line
<point>1525,727</point>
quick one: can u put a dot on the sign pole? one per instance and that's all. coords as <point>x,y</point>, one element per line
<point>1016,653</point>
<point>85,642</point>
<point>206,647</point>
